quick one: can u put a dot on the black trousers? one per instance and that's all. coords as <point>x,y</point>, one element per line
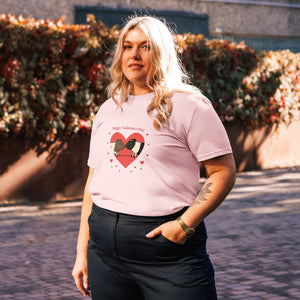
<point>124,264</point>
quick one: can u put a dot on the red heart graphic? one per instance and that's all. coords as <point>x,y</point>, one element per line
<point>127,150</point>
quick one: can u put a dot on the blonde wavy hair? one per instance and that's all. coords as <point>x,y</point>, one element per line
<point>168,77</point>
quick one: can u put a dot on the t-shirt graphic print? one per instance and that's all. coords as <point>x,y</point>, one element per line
<point>127,150</point>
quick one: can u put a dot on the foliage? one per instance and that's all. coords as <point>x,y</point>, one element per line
<point>254,88</point>
<point>218,69</point>
<point>53,77</point>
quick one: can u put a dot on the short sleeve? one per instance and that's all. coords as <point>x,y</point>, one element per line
<point>206,135</point>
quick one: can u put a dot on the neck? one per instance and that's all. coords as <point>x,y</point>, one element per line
<point>137,90</point>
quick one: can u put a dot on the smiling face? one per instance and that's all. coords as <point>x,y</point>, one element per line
<point>136,61</point>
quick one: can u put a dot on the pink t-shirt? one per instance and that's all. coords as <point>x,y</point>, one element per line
<point>143,171</point>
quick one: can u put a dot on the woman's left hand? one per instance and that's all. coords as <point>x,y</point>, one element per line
<point>170,230</point>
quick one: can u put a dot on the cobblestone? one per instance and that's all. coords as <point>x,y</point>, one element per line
<point>253,243</point>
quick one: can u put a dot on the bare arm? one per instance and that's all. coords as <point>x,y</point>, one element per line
<point>221,178</point>
<point>80,268</point>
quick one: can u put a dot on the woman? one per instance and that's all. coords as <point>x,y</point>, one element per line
<point>142,234</point>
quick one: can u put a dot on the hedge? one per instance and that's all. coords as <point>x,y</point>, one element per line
<point>53,77</point>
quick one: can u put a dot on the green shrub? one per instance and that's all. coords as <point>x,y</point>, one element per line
<point>253,88</point>
<point>53,77</point>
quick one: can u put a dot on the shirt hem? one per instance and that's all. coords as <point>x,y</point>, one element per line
<point>214,154</point>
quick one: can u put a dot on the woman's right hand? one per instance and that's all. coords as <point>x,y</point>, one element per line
<point>80,274</point>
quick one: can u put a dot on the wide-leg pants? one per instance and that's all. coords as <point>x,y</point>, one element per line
<point>123,264</point>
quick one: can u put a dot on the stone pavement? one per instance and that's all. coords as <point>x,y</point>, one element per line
<point>253,242</point>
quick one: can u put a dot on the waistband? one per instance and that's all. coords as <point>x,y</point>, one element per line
<point>133,218</point>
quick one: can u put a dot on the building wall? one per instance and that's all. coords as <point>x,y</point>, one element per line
<point>234,19</point>
<point>277,18</point>
<point>26,175</point>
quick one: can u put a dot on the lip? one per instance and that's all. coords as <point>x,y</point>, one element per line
<point>135,66</point>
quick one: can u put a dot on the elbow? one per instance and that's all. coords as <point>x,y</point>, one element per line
<point>233,177</point>
<point>231,173</point>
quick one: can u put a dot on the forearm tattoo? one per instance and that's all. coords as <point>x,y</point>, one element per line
<point>202,196</point>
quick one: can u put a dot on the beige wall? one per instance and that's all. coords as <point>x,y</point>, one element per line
<point>265,148</point>
<point>26,175</point>
<point>254,20</point>
<point>226,17</point>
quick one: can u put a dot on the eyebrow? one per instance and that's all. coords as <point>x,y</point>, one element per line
<point>142,43</point>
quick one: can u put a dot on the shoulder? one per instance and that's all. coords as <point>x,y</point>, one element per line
<point>107,106</point>
<point>190,101</point>
<point>105,110</point>
<point>188,108</point>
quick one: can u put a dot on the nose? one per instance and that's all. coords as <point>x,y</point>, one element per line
<point>135,54</point>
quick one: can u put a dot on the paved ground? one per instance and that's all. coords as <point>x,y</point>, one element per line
<point>253,242</point>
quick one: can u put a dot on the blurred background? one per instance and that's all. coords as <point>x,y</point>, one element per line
<point>54,69</point>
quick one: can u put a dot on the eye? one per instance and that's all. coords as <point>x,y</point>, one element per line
<point>146,47</point>
<point>126,47</point>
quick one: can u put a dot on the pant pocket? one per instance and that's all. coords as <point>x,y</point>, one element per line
<point>133,245</point>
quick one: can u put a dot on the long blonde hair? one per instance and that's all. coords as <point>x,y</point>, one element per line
<point>168,77</point>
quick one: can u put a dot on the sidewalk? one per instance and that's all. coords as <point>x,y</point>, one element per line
<point>253,242</point>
